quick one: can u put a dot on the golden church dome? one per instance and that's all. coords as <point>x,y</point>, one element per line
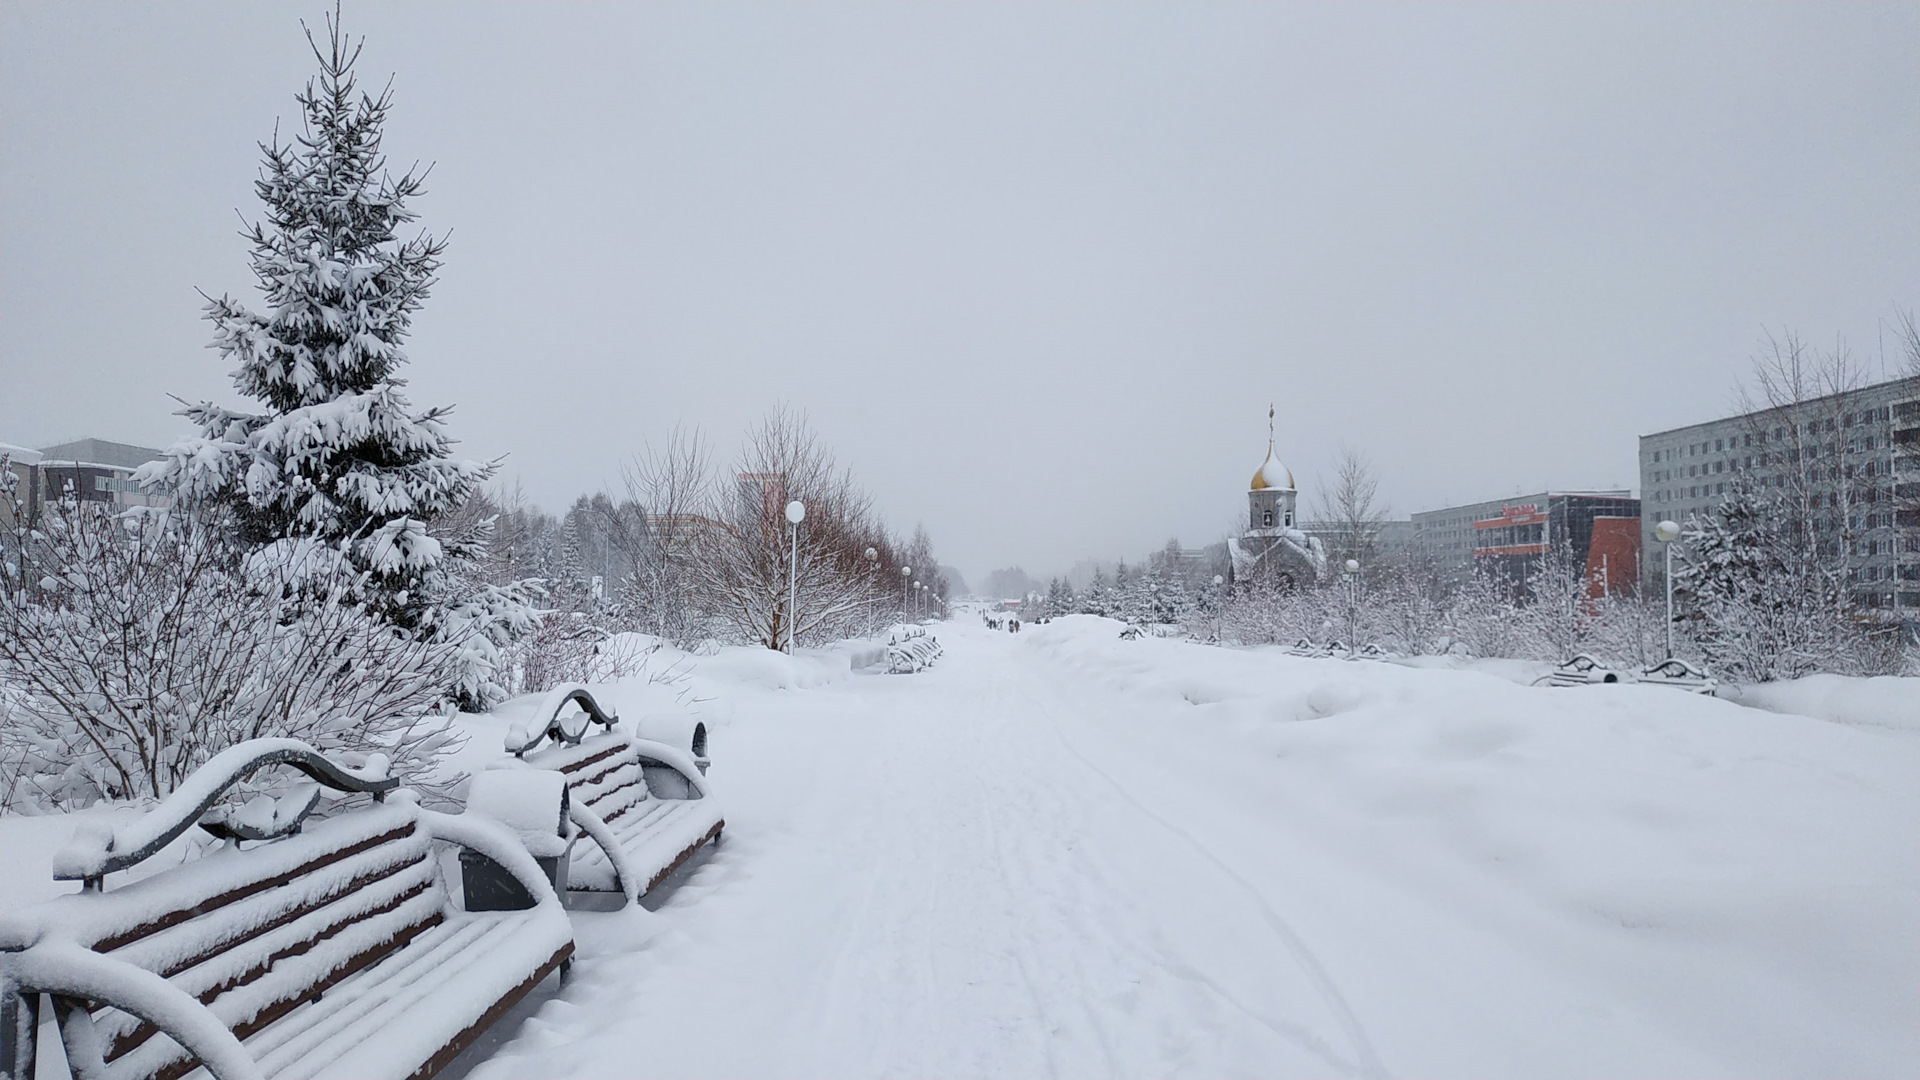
<point>1272,474</point>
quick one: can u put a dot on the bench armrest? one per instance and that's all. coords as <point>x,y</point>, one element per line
<point>676,759</point>
<point>496,842</point>
<point>63,967</point>
<point>597,829</point>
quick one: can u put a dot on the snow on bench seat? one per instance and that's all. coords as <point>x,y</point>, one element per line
<point>646,805</point>
<point>333,951</point>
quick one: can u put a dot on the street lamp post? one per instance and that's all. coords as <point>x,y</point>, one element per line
<point>1667,532</point>
<point>796,513</point>
<point>1219,602</point>
<point>1352,568</point>
<point>906,579</point>
<point>873,568</point>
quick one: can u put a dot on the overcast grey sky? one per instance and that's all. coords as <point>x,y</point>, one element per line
<point>1034,271</point>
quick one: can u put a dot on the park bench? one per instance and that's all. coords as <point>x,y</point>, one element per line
<point>301,948</point>
<point>915,652</point>
<point>1680,675</point>
<point>1583,670</point>
<point>645,804</point>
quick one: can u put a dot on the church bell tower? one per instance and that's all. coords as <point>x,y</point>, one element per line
<point>1271,495</point>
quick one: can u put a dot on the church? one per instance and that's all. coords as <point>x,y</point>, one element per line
<point>1273,550</point>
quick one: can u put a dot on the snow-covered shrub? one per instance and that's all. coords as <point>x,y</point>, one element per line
<point>135,644</point>
<point>1265,613</point>
<point>1408,615</point>
<point>576,647</point>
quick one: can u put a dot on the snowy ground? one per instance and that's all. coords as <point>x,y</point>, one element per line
<point>1060,853</point>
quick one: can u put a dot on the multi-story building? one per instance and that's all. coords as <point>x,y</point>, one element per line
<point>92,470</point>
<point>1853,459</point>
<point>1509,537</point>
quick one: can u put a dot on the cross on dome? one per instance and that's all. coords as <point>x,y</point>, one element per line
<point>1272,473</point>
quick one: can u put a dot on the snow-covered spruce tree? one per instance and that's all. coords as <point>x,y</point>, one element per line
<point>339,455</point>
<point>1766,607</point>
<point>1059,598</point>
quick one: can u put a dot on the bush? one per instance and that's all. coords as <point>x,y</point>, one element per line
<point>135,644</point>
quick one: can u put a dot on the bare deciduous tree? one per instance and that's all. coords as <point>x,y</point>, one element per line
<point>1800,454</point>
<point>673,484</point>
<point>1349,514</point>
<point>741,561</point>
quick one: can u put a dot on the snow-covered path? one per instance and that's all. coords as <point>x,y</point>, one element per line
<point>1013,865</point>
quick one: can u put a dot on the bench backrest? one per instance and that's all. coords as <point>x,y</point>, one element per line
<point>613,773</point>
<point>254,934</point>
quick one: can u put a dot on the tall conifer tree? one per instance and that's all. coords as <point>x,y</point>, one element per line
<point>339,455</point>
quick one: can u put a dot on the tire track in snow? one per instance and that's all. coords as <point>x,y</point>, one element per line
<point>1369,1060</point>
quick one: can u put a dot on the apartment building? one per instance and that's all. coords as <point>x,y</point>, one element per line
<point>1854,457</point>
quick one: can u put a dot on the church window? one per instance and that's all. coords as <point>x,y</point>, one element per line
<point>1268,522</point>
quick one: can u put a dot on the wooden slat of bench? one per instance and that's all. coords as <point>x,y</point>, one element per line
<point>640,837</point>
<point>214,903</point>
<point>489,1018</point>
<point>283,1007</point>
<point>259,925</point>
<point>582,772</point>
<point>586,784</point>
<point>589,755</point>
<point>279,915</point>
<point>453,954</point>
<point>297,979</point>
<point>616,802</point>
<point>298,946</point>
<point>686,853</point>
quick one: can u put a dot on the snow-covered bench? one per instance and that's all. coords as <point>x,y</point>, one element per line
<point>1582,670</point>
<point>915,652</point>
<point>645,804</point>
<point>327,948</point>
<point>1680,675</point>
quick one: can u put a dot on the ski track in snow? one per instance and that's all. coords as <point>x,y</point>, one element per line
<point>1368,1060</point>
<point>991,868</point>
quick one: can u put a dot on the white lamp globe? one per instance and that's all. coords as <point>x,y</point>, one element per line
<point>1667,532</point>
<point>796,511</point>
<point>1353,566</point>
<point>872,555</point>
